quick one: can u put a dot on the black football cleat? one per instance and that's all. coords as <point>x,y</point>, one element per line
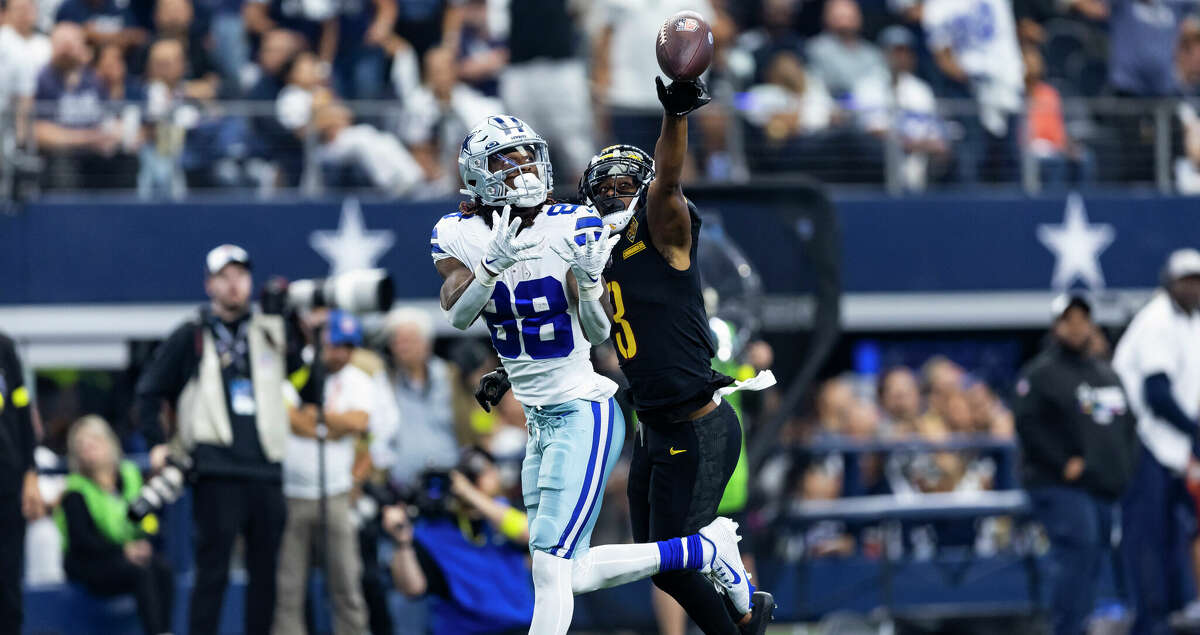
<point>762,611</point>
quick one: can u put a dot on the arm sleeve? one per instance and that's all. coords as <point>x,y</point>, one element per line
<point>1161,401</point>
<point>83,538</point>
<point>1042,431</point>
<point>163,379</point>
<point>21,405</point>
<point>435,580</point>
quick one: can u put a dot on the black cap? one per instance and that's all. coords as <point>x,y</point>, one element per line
<point>1062,303</point>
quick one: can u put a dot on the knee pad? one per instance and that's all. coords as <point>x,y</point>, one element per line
<point>543,534</point>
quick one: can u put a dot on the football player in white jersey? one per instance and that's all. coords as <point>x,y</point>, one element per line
<point>531,268</point>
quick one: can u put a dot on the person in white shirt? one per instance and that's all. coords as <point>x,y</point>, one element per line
<point>1158,360</point>
<point>839,55</point>
<point>902,104</point>
<point>349,399</point>
<point>24,52</point>
<point>974,43</point>
<point>624,64</point>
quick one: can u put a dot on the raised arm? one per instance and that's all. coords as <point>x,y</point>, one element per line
<point>666,208</point>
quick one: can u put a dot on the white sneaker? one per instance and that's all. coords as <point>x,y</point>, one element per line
<point>725,566</point>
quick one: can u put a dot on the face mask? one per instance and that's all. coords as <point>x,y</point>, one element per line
<point>531,189</point>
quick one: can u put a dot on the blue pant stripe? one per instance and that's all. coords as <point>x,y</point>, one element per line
<point>603,465</point>
<point>587,481</point>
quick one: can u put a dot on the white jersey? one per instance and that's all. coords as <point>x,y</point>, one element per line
<point>1162,339</point>
<point>534,328</point>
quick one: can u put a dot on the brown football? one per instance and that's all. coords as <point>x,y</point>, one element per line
<point>684,45</point>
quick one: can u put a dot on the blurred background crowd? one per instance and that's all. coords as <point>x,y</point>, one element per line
<point>172,95</point>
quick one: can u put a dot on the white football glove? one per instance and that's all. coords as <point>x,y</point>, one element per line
<point>588,260</point>
<point>503,249</point>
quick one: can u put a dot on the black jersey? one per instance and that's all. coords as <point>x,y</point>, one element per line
<point>660,327</point>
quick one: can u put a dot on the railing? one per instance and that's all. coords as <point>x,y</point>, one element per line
<point>241,146</point>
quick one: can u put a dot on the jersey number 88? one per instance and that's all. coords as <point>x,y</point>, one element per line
<point>541,306</point>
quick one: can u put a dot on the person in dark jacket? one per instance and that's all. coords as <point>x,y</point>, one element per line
<point>223,374</point>
<point>1077,436</point>
<point>104,551</point>
<point>19,498</point>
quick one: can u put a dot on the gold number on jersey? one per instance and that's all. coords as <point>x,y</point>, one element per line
<point>626,343</point>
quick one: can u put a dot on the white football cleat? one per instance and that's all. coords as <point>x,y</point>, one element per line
<point>725,566</point>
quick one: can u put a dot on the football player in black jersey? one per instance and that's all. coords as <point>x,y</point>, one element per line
<point>689,439</point>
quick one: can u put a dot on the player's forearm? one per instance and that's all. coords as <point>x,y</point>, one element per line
<point>593,319</point>
<point>670,150</point>
<point>464,309</point>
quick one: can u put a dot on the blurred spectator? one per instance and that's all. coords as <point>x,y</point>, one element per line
<point>821,481</point>
<point>315,22</point>
<point>175,20</point>
<point>786,115</point>
<point>1077,436</point>
<point>365,150</point>
<point>1142,44</point>
<point>19,38</point>
<point>544,50</point>
<point>71,122</point>
<point>839,56</point>
<point>318,503</point>
<point>624,68</point>
<point>989,416</point>
<point>900,399</point>
<point>1187,166</point>
<point>23,54</point>
<point>118,84</point>
<point>974,43</point>
<point>424,392</point>
<point>1187,57</point>
<point>1060,160</point>
<point>759,46</point>
<point>1162,378</point>
<point>171,116</point>
<point>901,104</point>
<point>229,40</point>
<point>834,399</point>
<point>424,24</point>
<point>107,553</point>
<point>437,115</point>
<point>273,141</point>
<point>481,54</point>
<point>104,22</point>
<point>306,90</point>
<point>359,68</point>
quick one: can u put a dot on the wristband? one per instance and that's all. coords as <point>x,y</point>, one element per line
<point>590,293</point>
<point>485,277</point>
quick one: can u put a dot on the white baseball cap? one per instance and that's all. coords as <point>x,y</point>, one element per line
<point>1183,263</point>
<point>223,255</point>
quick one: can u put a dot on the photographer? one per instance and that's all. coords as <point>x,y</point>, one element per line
<point>223,374</point>
<point>318,503</point>
<point>105,552</point>
<point>471,555</point>
<point>20,501</point>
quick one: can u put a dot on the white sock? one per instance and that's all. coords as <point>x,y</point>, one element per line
<point>613,565</point>
<point>553,602</point>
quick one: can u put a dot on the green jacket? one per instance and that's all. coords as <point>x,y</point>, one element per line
<point>107,510</point>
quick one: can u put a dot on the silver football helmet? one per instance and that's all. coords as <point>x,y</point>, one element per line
<point>485,167</point>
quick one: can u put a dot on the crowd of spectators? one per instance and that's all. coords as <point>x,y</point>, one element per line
<point>947,91</point>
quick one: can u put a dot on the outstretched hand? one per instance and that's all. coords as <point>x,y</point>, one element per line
<point>682,95</point>
<point>504,249</point>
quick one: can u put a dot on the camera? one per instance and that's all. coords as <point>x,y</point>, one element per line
<point>162,489</point>
<point>363,291</point>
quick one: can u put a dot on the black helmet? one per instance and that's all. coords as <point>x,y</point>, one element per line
<point>618,160</point>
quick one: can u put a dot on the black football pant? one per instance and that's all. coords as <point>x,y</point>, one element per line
<point>12,560</point>
<point>676,481</point>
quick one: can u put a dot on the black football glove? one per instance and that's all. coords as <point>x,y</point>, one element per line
<point>491,389</point>
<point>682,96</point>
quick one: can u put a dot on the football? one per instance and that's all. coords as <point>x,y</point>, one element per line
<point>684,45</point>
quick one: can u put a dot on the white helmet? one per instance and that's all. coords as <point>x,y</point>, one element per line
<point>489,140</point>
